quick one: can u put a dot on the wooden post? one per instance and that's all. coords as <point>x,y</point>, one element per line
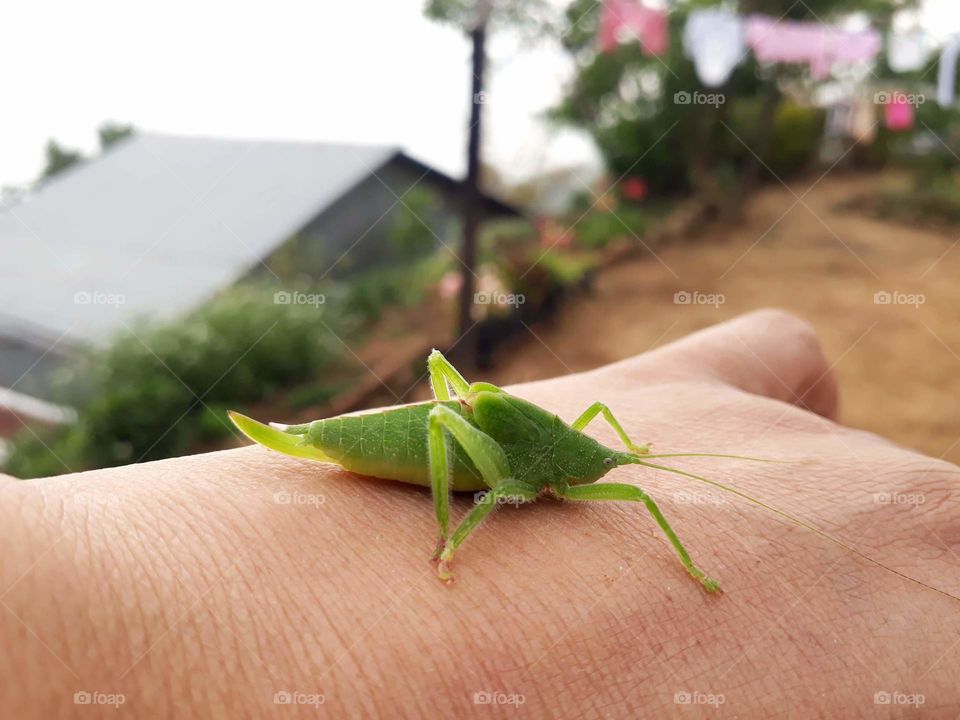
<point>472,204</point>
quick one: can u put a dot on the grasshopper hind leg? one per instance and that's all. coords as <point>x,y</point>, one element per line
<point>489,459</point>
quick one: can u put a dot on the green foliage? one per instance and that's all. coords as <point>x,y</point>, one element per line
<point>795,140</point>
<point>633,105</point>
<point>58,159</point>
<point>796,137</point>
<point>111,132</point>
<point>935,202</point>
<point>598,227</point>
<point>154,393</point>
<point>45,452</point>
<point>567,269</point>
<point>503,236</point>
<point>366,294</point>
<point>530,17</point>
<point>541,275</point>
<point>409,232</point>
<point>315,394</point>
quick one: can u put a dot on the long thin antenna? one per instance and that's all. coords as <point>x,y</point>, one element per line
<point>795,520</point>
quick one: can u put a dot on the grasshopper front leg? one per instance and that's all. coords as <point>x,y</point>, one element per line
<point>622,491</point>
<point>443,376</point>
<point>598,407</point>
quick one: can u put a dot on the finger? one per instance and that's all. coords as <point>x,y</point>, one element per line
<point>767,352</point>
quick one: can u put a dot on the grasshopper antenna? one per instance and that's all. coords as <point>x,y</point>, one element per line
<point>791,518</point>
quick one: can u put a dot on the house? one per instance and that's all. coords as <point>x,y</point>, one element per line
<point>159,224</point>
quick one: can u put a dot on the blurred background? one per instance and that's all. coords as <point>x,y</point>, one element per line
<point>280,209</point>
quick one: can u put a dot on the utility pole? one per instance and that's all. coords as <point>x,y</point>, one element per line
<point>472,204</point>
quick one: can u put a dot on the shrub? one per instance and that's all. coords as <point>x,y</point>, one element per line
<point>599,227</point>
<point>151,394</point>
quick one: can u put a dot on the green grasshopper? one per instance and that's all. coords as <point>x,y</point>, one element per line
<point>507,447</point>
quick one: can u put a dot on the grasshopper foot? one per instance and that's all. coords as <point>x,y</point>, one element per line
<point>444,567</point>
<point>709,584</point>
<point>438,551</point>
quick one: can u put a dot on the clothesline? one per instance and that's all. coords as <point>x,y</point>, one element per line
<point>717,40</point>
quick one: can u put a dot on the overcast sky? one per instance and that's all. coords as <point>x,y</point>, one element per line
<point>349,70</point>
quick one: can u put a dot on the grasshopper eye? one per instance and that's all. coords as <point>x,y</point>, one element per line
<point>608,462</point>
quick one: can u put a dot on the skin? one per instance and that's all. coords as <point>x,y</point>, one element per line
<point>191,588</point>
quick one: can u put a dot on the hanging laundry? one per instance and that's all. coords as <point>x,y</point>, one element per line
<point>899,113</point>
<point>649,26</point>
<point>947,78</point>
<point>839,122</point>
<point>837,131</point>
<point>863,122</point>
<point>907,50</point>
<point>820,46</point>
<point>713,39</point>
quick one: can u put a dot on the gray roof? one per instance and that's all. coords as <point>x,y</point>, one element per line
<point>162,223</point>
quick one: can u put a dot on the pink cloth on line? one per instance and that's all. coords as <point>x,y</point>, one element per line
<point>651,27</point>
<point>899,114</point>
<point>820,46</point>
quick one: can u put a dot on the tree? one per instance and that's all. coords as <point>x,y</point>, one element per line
<point>627,100</point>
<point>111,132</point>
<point>58,159</point>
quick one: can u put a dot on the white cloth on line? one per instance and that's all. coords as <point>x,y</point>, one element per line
<point>947,78</point>
<point>713,39</point>
<point>907,50</point>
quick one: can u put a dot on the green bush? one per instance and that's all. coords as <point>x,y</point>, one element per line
<point>365,295</point>
<point>153,393</point>
<point>599,227</point>
<point>795,138</point>
<point>937,203</point>
<point>409,232</point>
<point>797,131</point>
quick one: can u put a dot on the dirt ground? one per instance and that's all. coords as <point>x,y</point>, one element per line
<point>898,365</point>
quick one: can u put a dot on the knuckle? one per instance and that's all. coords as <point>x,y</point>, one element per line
<point>785,322</point>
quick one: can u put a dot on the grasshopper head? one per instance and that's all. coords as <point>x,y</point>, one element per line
<point>589,467</point>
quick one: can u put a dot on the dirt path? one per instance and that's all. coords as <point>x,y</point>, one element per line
<point>898,365</point>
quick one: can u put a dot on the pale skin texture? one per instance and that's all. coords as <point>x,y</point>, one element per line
<point>187,587</point>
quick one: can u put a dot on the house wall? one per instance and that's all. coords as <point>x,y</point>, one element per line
<point>355,232</point>
<point>27,367</point>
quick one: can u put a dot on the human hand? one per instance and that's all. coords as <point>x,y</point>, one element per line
<point>212,585</point>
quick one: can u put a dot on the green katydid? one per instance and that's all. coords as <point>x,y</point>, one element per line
<point>503,445</point>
